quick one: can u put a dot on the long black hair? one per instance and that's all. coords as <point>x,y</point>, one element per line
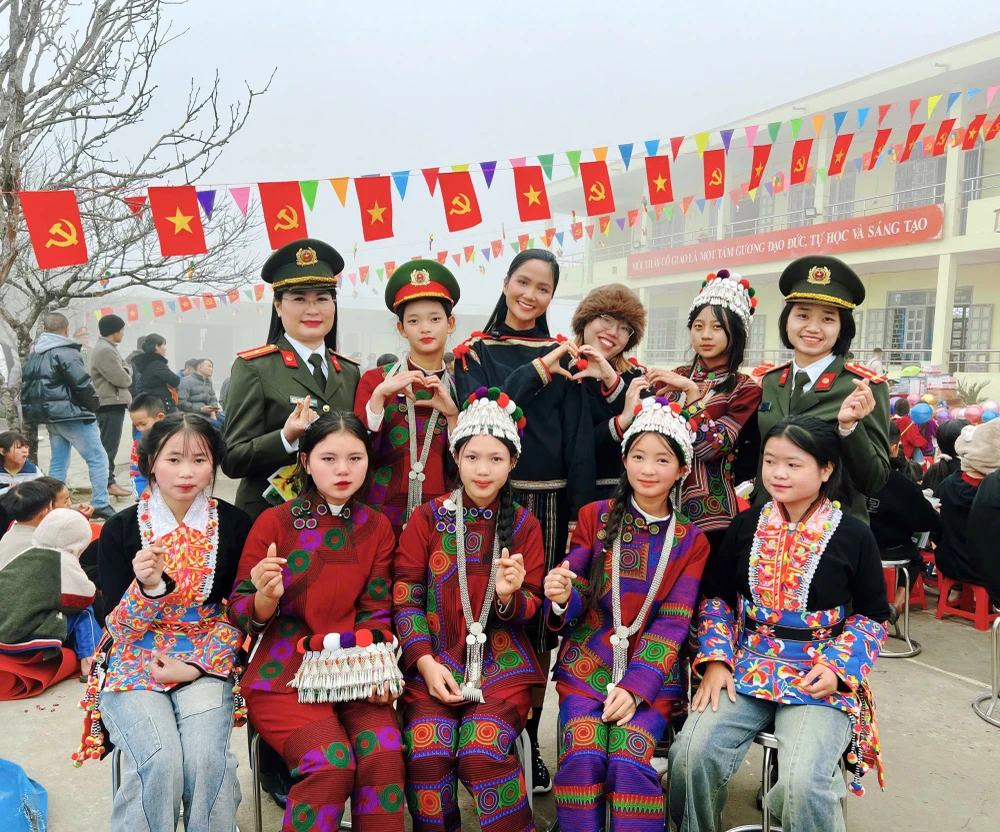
<point>821,440</point>
<point>336,421</point>
<point>620,503</point>
<point>847,329</point>
<point>194,425</point>
<point>507,508</point>
<point>736,342</point>
<point>499,313</point>
<point>277,328</point>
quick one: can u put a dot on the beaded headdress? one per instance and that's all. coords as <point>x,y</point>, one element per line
<point>730,290</point>
<point>489,412</point>
<point>664,417</point>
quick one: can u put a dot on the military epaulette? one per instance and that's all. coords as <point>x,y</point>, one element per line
<point>257,352</point>
<point>346,358</point>
<point>865,372</point>
<point>777,367</point>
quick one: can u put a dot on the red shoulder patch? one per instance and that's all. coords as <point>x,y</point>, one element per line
<point>257,352</point>
<point>825,381</point>
<point>288,356</point>
<point>865,372</point>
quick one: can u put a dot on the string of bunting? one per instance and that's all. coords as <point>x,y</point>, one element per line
<point>56,231</point>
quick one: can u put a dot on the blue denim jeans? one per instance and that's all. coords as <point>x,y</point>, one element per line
<point>82,632</point>
<point>86,438</point>
<point>175,748</point>
<point>711,746</point>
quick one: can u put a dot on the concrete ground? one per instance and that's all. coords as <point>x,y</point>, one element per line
<point>941,759</point>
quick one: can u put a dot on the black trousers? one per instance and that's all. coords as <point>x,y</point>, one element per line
<point>109,423</point>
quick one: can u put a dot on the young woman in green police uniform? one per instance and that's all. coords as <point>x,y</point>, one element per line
<point>278,389</point>
<point>820,294</point>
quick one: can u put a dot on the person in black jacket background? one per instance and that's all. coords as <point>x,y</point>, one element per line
<point>984,532</point>
<point>57,392</point>
<point>898,512</point>
<point>155,375</point>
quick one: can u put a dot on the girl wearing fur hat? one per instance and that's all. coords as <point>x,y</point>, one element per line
<point>609,323</point>
<point>718,396</point>
<point>618,674</point>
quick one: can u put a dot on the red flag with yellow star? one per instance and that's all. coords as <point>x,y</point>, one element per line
<point>661,190</point>
<point>973,132</point>
<point>177,218</point>
<point>55,228</point>
<point>529,189</point>
<point>375,199</point>
<point>461,207</point>
<point>597,188</point>
<point>941,139</point>
<point>284,216</point>
<point>800,160</point>
<point>838,158</point>
<point>715,173</point>
<point>761,153</point>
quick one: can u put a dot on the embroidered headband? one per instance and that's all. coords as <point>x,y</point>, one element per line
<point>666,418</point>
<point>489,412</point>
<point>730,290</point>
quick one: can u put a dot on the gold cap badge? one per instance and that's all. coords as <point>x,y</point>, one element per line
<point>305,257</point>
<point>820,275</point>
<point>419,277</point>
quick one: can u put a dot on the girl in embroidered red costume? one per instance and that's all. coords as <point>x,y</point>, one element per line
<point>162,681</point>
<point>618,674</point>
<point>721,399</point>
<point>410,405</point>
<point>776,644</point>
<point>316,574</point>
<point>468,577</point>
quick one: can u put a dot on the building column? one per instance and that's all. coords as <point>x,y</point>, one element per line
<point>944,302</point>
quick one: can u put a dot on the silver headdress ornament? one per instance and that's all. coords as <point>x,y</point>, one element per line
<point>729,290</point>
<point>664,417</point>
<point>489,412</point>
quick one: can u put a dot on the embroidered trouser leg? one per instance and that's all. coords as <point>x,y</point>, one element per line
<point>599,761</point>
<point>335,752</point>
<point>471,743</point>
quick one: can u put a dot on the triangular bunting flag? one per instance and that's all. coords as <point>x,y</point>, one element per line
<point>857,165</point>
<point>974,92</point>
<point>990,92</point>
<point>196,301</point>
<point>573,156</point>
<point>701,204</point>
<point>390,267</point>
<point>633,215</point>
<point>523,242</point>
<point>497,246</point>
<point>340,188</point>
<point>932,102</point>
<point>531,242</point>
<point>796,125</point>
<point>652,146</point>
<point>486,253</point>
<point>442,257</point>
<point>353,278</point>
<point>381,273</point>
<point>470,254</point>
<point>838,121</point>
<point>518,162</point>
<point>135,204</point>
<point>172,305</point>
<point>818,123</point>
<point>559,237</point>
<point>241,196</point>
<point>701,142</point>
<point>734,195</point>
<point>545,160</point>
<point>600,153</point>
<point>952,98</point>
<point>626,152</point>
<point>363,273</point>
<point>308,189</point>
<point>668,212</point>
<point>862,116</point>
<point>488,169</point>
<point>772,130</point>
<point>258,291</point>
<point>431,177</point>
<point>657,210</point>
<point>459,168</point>
<point>604,223</point>
<point>207,201</point>
<point>769,187</point>
<point>590,231</point>
<point>621,223</point>
<point>751,135</point>
<point>914,103</point>
<point>401,178</point>
<point>515,247</point>
<point>727,137</point>
<point>883,110</point>
<point>675,146</point>
<point>686,203</point>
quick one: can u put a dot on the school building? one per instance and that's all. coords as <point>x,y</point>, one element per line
<point>924,234</point>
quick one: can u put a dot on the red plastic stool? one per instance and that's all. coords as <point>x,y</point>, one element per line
<point>918,597</point>
<point>974,606</point>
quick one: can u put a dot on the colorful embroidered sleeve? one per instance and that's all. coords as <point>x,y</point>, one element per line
<point>217,653</point>
<point>716,633</point>
<point>266,530</point>
<point>580,556</point>
<point>410,590</point>
<point>716,438</point>
<point>374,605</point>
<point>527,541</point>
<point>135,612</point>
<point>656,651</point>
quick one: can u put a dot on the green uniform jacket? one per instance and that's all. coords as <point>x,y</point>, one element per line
<point>264,386</point>
<point>866,449</point>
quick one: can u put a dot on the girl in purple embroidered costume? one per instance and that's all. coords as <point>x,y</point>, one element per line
<point>777,648</point>
<point>623,602</point>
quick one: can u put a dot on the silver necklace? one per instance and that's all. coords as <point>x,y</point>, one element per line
<point>476,638</point>
<point>621,635</point>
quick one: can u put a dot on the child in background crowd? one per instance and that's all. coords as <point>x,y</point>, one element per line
<point>144,411</point>
<point>947,459</point>
<point>16,465</point>
<point>911,439</point>
<point>26,504</point>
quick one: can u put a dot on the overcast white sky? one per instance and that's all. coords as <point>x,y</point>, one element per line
<point>374,87</point>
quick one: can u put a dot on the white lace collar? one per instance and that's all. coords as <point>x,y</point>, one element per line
<point>162,519</point>
<point>335,510</point>
<point>649,518</point>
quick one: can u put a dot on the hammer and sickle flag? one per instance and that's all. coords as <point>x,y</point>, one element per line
<point>715,173</point>
<point>597,188</point>
<point>800,160</point>
<point>461,206</point>
<point>284,216</point>
<point>54,226</point>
